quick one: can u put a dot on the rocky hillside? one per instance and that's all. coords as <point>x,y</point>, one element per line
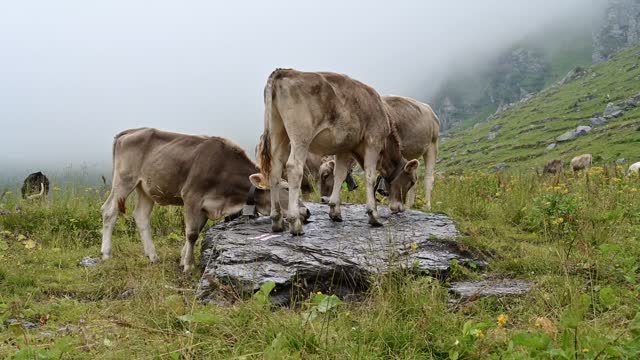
<point>594,110</point>
<point>517,73</point>
<point>619,28</point>
<point>535,63</point>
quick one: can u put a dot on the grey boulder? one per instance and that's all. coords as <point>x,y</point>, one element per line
<point>333,257</point>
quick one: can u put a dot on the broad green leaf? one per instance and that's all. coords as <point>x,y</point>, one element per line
<point>608,297</point>
<point>329,303</point>
<point>531,341</point>
<point>199,318</point>
<point>308,317</point>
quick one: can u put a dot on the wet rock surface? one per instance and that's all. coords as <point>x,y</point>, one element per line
<point>499,288</point>
<point>331,257</point>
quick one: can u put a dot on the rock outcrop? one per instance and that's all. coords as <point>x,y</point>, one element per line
<point>337,258</point>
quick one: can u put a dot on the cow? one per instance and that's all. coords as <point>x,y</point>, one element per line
<point>553,167</point>
<point>210,176</point>
<point>581,162</point>
<point>418,128</point>
<point>329,114</point>
<point>35,186</point>
<point>634,168</point>
<point>315,171</point>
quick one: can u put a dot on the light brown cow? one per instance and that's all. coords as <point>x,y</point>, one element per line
<point>210,176</point>
<point>328,113</point>
<point>418,128</point>
<point>581,162</point>
<point>553,167</point>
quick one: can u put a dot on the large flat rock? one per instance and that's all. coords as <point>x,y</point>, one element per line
<point>241,255</point>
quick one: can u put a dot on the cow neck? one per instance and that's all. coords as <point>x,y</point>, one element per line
<point>392,161</point>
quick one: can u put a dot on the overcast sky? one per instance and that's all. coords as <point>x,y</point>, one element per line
<point>74,73</point>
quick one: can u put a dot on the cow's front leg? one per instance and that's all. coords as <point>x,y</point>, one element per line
<point>370,162</point>
<point>295,169</point>
<point>339,174</point>
<point>194,219</point>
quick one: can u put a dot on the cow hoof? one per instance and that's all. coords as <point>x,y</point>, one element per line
<point>334,213</point>
<point>296,227</point>
<point>324,200</point>
<point>106,256</point>
<point>154,258</point>
<point>374,222</point>
<point>187,269</point>
<point>277,224</point>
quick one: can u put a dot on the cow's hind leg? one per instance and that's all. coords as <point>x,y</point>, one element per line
<point>194,219</point>
<point>370,165</point>
<point>430,164</point>
<point>142,215</point>
<point>295,171</point>
<point>339,174</point>
<point>277,161</point>
<point>115,203</point>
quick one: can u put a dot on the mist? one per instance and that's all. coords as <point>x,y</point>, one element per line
<point>75,73</point>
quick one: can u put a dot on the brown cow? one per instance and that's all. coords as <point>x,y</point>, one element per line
<point>553,167</point>
<point>210,176</point>
<point>327,113</point>
<point>418,128</point>
<point>581,162</point>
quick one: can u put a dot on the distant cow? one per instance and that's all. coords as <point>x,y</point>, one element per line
<point>36,185</point>
<point>553,167</point>
<point>330,114</point>
<point>418,128</point>
<point>210,176</point>
<point>634,168</point>
<point>581,162</point>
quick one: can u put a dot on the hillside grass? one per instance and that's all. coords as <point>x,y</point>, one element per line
<point>528,128</point>
<point>576,239</point>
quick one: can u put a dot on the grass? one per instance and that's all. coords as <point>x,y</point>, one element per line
<point>574,238</point>
<point>529,127</point>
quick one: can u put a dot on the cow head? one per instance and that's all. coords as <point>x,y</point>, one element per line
<point>326,179</point>
<point>400,183</point>
<point>263,196</point>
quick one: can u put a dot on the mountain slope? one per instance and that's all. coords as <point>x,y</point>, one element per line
<point>523,132</point>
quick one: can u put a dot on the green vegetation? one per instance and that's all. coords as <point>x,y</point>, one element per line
<point>528,128</point>
<point>574,238</point>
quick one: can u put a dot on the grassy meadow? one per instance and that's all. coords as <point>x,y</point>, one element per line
<point>575,238</point>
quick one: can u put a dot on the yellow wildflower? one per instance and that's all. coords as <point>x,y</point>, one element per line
<point>414,246</point>
<point>585,350</point>
<point>319,293</point>
<point>502,320</point>
<point>477,333</point>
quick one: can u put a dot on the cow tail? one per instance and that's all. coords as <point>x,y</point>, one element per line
<point>265,152</point>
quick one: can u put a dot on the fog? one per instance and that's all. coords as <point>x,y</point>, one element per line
<point>75,73</point>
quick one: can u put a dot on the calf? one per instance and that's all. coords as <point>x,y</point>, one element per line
<point>327,113</point>
<point>36,185</point>
<point>553,167</point>
<point>581,162</point>
<point>418,128</point>
<point>210,176</point>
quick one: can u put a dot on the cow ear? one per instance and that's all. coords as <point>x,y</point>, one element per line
<point>259,181</point>
<point>411,166</point>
